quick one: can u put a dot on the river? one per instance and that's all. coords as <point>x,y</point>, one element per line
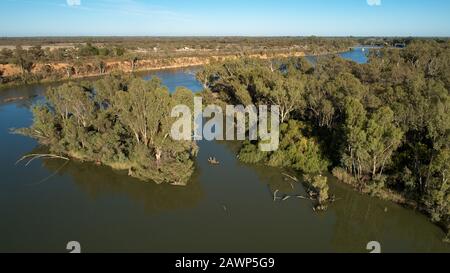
<point>226,208</point>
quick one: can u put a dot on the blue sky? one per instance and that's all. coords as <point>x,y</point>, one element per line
<point>225,17</point>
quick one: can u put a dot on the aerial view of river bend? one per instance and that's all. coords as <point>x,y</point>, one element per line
<point>225,208</point>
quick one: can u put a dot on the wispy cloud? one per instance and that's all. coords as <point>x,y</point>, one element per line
<point>374,2</point>
<point>73,3</point>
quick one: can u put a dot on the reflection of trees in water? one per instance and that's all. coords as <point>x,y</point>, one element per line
<point>25,103</point>
<point>98,181</point>
<point>275,179</point>
<point>233,146</point>
<point>272,177</point>
<point>357,219</point>
<point>22,96</point>
<point>361,219</point>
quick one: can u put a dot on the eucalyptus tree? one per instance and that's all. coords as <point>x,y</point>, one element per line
<point>101,66</point>
<point>120,121</point>
<point>370,140</point>
<point>22,60</point>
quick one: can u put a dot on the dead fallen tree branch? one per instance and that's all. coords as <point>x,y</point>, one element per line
<point>275,198</point>
<point>32,157</point>
<point>291,177</point>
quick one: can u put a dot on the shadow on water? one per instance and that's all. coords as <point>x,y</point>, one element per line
<point>360,219</point>
<point>100,181</point>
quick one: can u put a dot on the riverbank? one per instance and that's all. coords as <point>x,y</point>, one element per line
<point>60,72</point>
<point>387,195</point>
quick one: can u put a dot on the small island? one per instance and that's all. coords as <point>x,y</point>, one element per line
<point>120,121</point>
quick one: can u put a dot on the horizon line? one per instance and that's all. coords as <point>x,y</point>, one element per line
<point>224,36</point>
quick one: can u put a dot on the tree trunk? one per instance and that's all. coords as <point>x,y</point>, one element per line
<point>374,168</point>
<point>136,135</point>
<point>158,155</point>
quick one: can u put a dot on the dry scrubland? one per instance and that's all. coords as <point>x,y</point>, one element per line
<point>29,60</point>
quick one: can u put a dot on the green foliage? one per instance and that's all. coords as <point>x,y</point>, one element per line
<point>23,60</point>
<point>251,81</point>
<point>384,125</point>
<point>344,176</point>
<point>250,153</point>
<point>447,238</point>
<point>437,198</point>
<point>370,140</point>
<point>320,186</point>
<point>123,122</point>
<point>296,151</point>
<point>89,50</point>
<point>6,55</point>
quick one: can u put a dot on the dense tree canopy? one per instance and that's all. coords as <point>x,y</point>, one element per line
<point>119,121</point>
<point>384,126</point>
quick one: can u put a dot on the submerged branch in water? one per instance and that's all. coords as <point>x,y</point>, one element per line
<point>275,195</point>
<point>291,177</point>
<point>32,157</point>
<point>52,175</point>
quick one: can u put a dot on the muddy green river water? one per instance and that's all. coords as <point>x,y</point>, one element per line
<point>226,208</point>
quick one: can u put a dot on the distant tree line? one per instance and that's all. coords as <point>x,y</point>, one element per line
<point>39,58</point>
<point>89,56</point>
